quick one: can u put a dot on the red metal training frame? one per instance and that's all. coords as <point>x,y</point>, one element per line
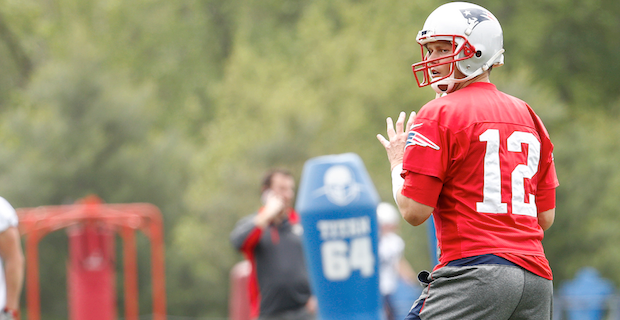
<point>36,223</point>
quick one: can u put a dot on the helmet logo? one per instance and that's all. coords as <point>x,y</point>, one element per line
<point>476,15</point>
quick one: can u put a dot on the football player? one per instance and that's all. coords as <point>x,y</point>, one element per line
<point>480,161</point>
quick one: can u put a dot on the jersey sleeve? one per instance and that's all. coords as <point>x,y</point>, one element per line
<point>427,148</point>
<point>8,216</point>
<point>246,234</point>
<point>545,199</point>
<point>548,179</point>
<point>421,188</point>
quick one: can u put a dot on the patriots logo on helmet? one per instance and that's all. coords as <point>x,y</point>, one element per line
<point>476,15</point>
<point>417,139</point>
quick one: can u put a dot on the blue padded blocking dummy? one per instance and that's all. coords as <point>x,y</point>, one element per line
<point>337,203</point>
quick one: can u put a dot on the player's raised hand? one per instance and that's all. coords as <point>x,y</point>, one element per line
<point>273,207</point>
<point>397,138</point>
<point>273,203</point>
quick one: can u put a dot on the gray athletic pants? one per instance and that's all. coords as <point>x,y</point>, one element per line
<point>484,292</point>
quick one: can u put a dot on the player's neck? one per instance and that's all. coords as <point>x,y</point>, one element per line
<point>484,77</point>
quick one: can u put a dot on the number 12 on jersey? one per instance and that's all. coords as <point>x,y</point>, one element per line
<point>492,191</point>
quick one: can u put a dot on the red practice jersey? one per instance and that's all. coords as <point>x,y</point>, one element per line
<point>491,163</point>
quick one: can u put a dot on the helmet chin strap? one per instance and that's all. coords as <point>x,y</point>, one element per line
<point>444,86</point>
<point>450,82</point>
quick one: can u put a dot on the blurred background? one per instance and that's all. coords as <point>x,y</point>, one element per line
<point>184,104</point>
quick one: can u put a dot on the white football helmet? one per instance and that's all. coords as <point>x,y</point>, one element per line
<point>477,43</point>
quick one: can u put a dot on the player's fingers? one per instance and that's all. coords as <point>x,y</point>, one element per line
<point>383,140</point>
<point>390,127</point>
<point>400,122</point>
<point>411,120</point>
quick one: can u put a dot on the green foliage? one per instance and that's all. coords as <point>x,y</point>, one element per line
<point>570,44</point>
<point>587,198</point>
<point>184,104</point>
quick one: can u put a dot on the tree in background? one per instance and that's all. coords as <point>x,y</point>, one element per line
<point>184,104</point>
